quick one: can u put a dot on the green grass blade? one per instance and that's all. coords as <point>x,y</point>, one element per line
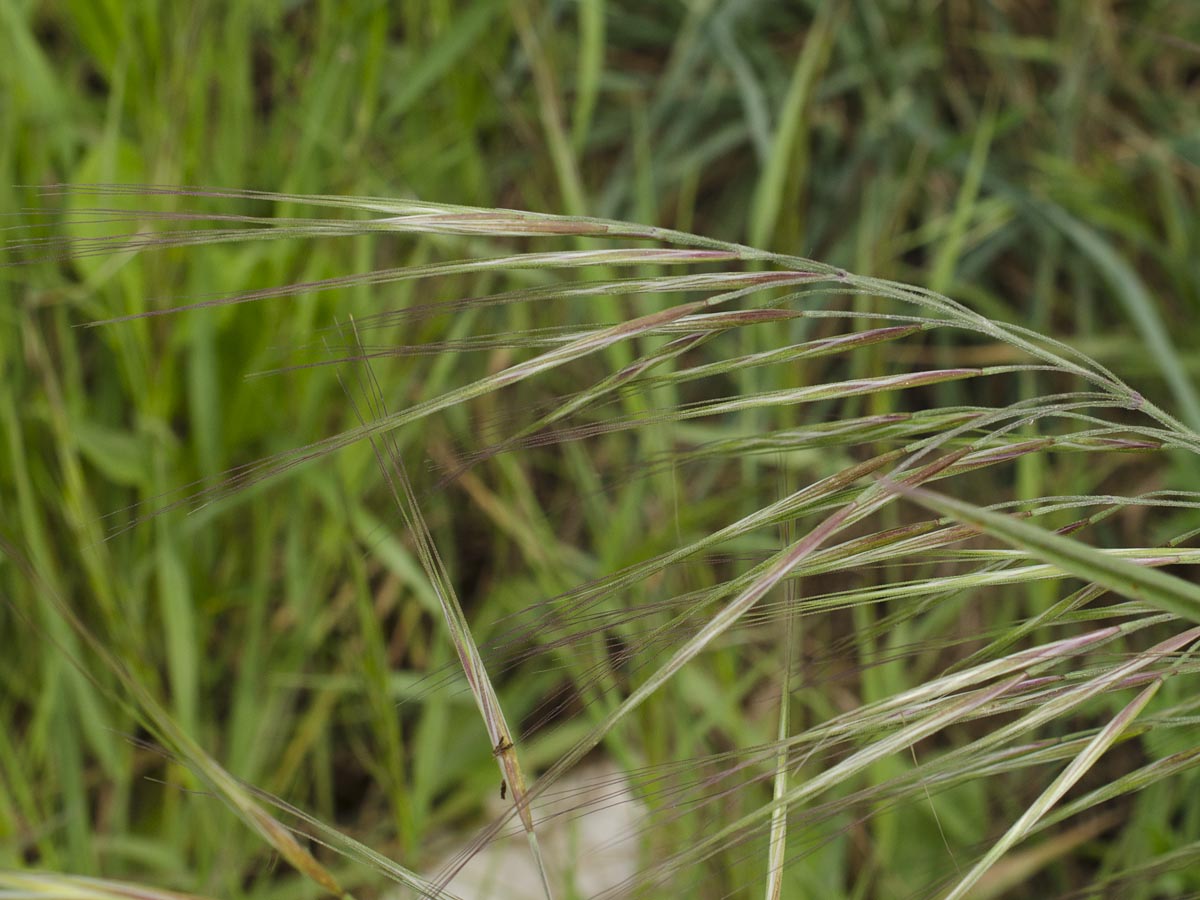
<point>1158,589</point>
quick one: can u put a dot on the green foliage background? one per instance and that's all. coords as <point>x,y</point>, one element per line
<point>1039,162</point>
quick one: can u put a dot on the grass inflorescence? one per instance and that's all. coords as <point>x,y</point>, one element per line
<point>711,366</point>
<point>356,544</point>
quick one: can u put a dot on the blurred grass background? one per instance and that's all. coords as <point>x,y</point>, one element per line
<point>1039,162</point>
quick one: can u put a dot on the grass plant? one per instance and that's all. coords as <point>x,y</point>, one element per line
<point>353,514</point>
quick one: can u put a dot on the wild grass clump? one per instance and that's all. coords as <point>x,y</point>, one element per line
<point>448,479</point>
<point>758,530</point>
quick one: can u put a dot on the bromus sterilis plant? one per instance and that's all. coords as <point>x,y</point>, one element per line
<point>738,523</point>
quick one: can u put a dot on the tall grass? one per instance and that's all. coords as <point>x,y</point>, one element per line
<point>439,532</point>
<point>750,434</point>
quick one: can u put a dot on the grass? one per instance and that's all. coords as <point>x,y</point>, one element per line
<point>596,489</point>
